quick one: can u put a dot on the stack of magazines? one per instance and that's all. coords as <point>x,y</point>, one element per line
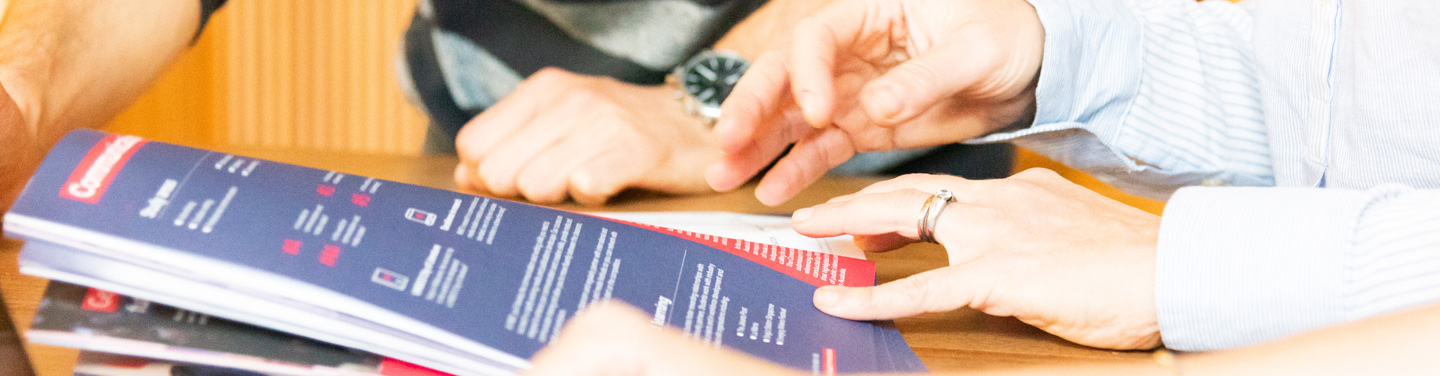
<point>206,257</point>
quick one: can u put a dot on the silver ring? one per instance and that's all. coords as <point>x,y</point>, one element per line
<point>930,213</point>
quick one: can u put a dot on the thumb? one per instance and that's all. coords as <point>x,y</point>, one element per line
<point>914,86</point>
<point>937,290</point>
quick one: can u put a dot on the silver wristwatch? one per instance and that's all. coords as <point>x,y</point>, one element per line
<point>703,82</point>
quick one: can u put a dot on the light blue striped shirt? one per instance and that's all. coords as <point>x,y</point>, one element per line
<point>1329,105</point>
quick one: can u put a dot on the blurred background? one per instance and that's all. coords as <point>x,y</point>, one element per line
<point>282,74</point>
<point>319,75</point>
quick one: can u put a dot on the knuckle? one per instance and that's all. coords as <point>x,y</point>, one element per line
<point>539,191</point>
<point>1019,187</point>
<point>583,95</point>
<point>1038,173</point>
<point>590,192</point>
<point>550,75</point>
<point>912,178</point>
<point>918,75</point>
<point>917,293</point>
<point>491,175</point>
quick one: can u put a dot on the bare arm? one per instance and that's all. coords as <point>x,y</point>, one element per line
<point>72,64</point>
<point>620,340</point>
<point>1397,344</point>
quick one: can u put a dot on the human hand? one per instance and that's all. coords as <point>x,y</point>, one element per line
<point>22,153</point>
<point>889,74</point>
<point>615,339</point>
<point>562,134</point>
<point>1035,246</point>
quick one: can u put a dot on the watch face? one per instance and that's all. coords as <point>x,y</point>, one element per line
<point>709,80</point>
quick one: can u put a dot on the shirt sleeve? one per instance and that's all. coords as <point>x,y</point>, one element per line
<point>207,9</point>
<point>1238,266</point>
<point>1149,95</point>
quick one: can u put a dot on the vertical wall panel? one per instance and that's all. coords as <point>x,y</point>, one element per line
<point>317,75</point>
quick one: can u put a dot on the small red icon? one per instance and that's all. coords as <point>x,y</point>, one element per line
<point>325,189</point>
<point>359,199</point>
<point>291,246</point>
<point>329,254</point>
<point>420,216</point>
<point>100,300</point>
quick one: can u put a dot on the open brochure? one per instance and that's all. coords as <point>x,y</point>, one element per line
<point>96,320</point>
<point>458,283</point>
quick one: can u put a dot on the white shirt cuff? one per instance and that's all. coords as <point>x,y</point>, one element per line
<point>1238,266</point>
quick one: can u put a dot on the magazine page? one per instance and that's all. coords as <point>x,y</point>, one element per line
<point>492,278</point>
<point>98,320</point>
<point>773,230</point>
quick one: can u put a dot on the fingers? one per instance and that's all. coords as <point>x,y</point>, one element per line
<point>616,339</point>
<point>545,179</point>
<point>500,168</point>
<point>465,178</point>
<point>760,121</point>
<point>737,167</point>
<point>806,163</point>
<point>816,42</point>
<point>606,175</point>
<point>871,214</point>
<point>604,339</point>
<point>965,190</point>
<point>494,126</point>
<point>937,290</point>
<point>758,97</point>
<point>911,88</point>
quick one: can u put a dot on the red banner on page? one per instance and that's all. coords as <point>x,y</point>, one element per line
<point>816,268</point>
<point>394,367</point>
<point>94,174</point>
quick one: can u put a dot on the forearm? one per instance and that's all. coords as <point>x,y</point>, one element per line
<point>70,64</point>
<point>1395,344</point>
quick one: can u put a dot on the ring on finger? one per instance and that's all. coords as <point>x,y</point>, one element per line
<point>930,213</point>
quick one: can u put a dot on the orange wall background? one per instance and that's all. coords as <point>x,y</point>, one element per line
<point>319,75</point>
<point>281,74</point>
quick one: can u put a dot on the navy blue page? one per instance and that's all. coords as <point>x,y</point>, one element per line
<point>502,273</point>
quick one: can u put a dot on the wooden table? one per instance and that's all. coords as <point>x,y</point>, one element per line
<point>953,341</point>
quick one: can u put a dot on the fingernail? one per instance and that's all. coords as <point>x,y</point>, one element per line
<point>801,215</point>
<point>885,101</point>
<point>826,297</point>
<point>809,103</point>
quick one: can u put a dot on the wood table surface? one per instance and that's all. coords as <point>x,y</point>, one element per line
<point>954,341</point>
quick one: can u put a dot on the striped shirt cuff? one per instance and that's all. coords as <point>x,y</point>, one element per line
<point>1237,266</point>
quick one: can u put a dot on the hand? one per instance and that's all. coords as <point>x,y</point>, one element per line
<point>22,154</point>
<point>561,134</point>
<point>615,339</point>
<point>1035,246</point>
<point>889,74</point>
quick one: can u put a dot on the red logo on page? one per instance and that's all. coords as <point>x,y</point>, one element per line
<point>100,300</point>
<point>90,179</point>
